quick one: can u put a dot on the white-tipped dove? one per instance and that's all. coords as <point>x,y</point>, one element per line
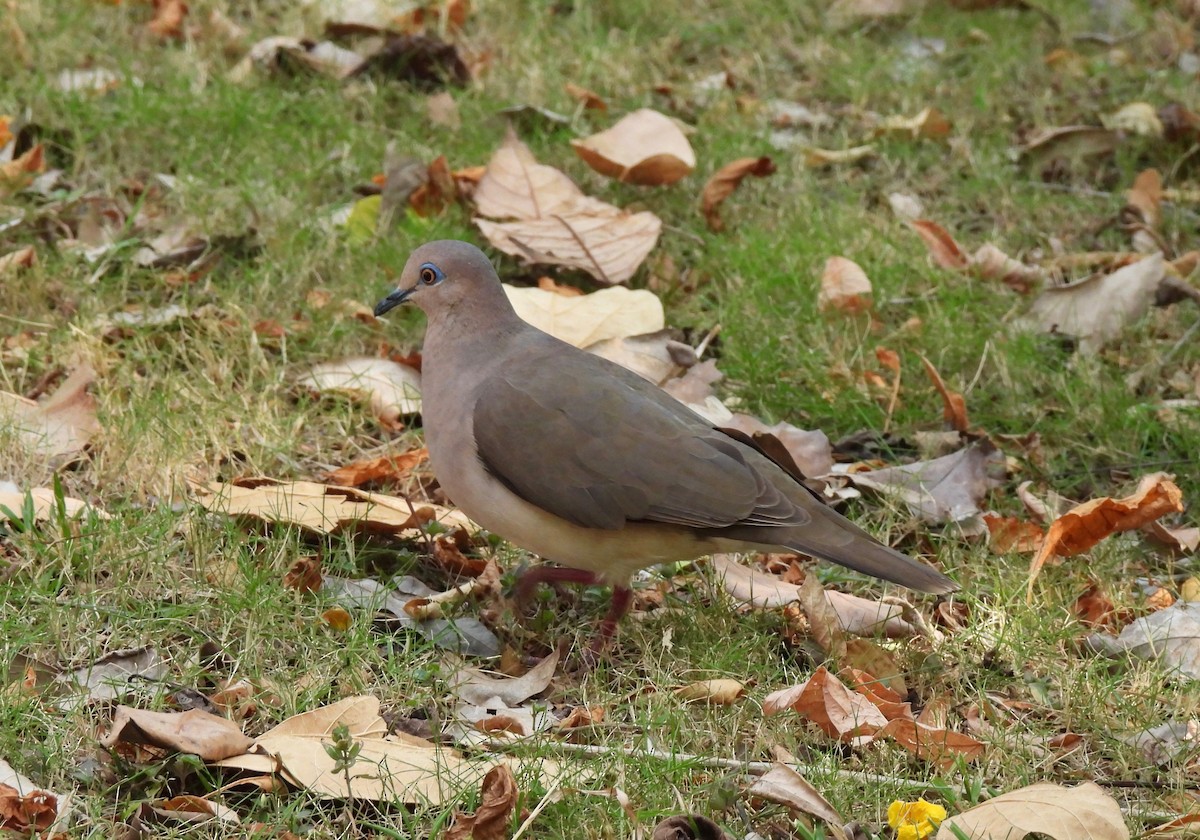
<point>586,464</point>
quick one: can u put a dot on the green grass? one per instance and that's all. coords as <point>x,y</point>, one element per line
<point>206,398</point>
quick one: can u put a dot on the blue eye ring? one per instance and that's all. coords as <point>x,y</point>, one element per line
<point>430,275</point>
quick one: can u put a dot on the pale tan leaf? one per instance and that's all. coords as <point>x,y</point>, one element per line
<point>844,286</point>
<point>194,810</point>
<point>810,450</point>
<point>321,508</point>
<point>783,785</point>
<point>816,158</point>
<point>1095,310</point>
<point>644,147</point>
<point>443,110</point>
<point>583,320</point>
<point>722,692</point>
<point>1170,636</point>
<point>1069,143</point>
<point>393,389</point>
<point>990,263</point>
<point>200,733</point>
<point>655,356</point>
<point>843,14</point>
<point>930,123</point>
<point>474,686</point>
<point>45,504</point>
<point>1083,812</point>
<point>389,768</point>
<point>823,621</point>
<point>14,261</point>
<point>1140,118</point>
<point>607,243</point>
<point>516,186</point>
<point>60,425</point>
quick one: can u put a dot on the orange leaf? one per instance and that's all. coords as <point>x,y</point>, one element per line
<point>591,101</point>
<point>337,618</point>
<point>1007,533</point>
<point>954,407</point>
<point>724,181</point>
<point>304,576</point>
<point>168,18</point>
<point>941,245</point>
<point>827,702</point>
<point>389,468</point>
<point>939,746</point>
<point>1083,526</point>
<point>890,359</point>
<point>844,286</point>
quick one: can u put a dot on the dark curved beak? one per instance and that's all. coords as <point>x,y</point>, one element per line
<point>392,301</point>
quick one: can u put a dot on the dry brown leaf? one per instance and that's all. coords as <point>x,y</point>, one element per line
<point>1007,533</point>
<point>945,252</point>
<point>498,799</point>
<point>783,785</point>
<point>1095,609</point>
<point>810,450</point>
<point>393,389</point>
<point>844,286</point>
<point>374,470</point>
<point>14,261</point>
<point>1083,812</point>
<point>199,733</point>
<point>1095,310</point>
<point>929,124</point>
<point>724,692</point>
<point>58,426</point>
<point>1082,527</point>
<point>477,688</point>
<point>26,814</point>
<point>390,768</point>
<point>1170,636</point>
<point>320,508</point>
<point>442,110</point>
<point>554,223</point>
<point>168,18</point>
<point>193,810</point>
<point>644,147</point>
<point>724,181</point>
<point>584,320</point>
<point>954,407</point>
<point>823,623</point>
<point>1069,143</point>
<point>942,747</point>
<point>1144,198</point>
<point>885,699</point>
<point>591,101</point>
<point>815,158</point>
<point>990,263</point>
<point>687,827</point>
<point>304,575</point>
<point>823,699</point>
<point>946,489</point>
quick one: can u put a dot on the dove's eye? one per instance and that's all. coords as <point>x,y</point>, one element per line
<point>430,274</point>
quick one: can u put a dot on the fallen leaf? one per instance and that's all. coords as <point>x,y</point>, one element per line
<point>586,320</point>
<point>1095,310</point>
<point>389,768</point>
<point>168,18</point>
<point>193,810</point>
<point>946,489</point>
<point>783,785</point>
<point>109,676</point>
<point>843,14</point>
<point>1095,609</point>
<point>554,222</point>
<point>724,692</point>
<point>393,389</point>
<point>656,356</point>
<point>321,508</point>
<point>14,261</point>
<point>18,173</point>
<point>907,207</point>
<point>990,263</point>
<point>945,252</point>
<point>423,61</point>
<point>286,54</point>
<point>337,618</point>
<point>304,575</point>
<point>474,686</point>
<point>44,503</point>
<point>823,623</point>
<point>822,698</point>
<point>1138,118</point>
<point>1144,199</point>
<point>724,181</point>
<point>941,747</point>
<point>199,733</point>
<point>498,799</point>
<point>644,147</point>
<point>1084,812</point>
<point>375,470</point>
<point>883,696</point>
<point>954,407</point>
<point>930,123</point>
<point>1007,533</point>
<point>688,827</point>
<point>442,110</point>
<point>60,425</point>
<point>694,389</point>
<point>810,450</point>
<point>27,814</point>
<point>844,286</point>
<point>1082,527</point>
<point>1070,143</point>
<point>1171,636</point>
<point>815,158</point>
<point>1167,742</point>
<point>589,100</point>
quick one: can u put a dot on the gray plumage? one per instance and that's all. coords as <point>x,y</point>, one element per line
<point>587,464</point>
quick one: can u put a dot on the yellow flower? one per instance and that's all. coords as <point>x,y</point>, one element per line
<point>914,820</point>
